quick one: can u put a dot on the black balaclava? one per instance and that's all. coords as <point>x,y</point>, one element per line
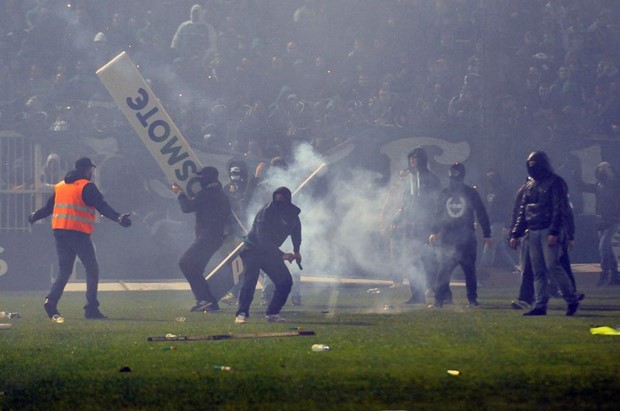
<point>209,175</point>
<point>457,174</point>
<point>422,159</point>
<point>286,193</point>
<point>538,165</point>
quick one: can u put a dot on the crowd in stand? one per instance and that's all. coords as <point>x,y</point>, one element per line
<point>276,72</point>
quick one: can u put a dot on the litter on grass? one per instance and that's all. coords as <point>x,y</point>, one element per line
<point>604,330</point>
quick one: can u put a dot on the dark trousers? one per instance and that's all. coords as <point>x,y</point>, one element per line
<point>69,245</point>
<point>451,255</point>
<point>193,263</point>
<point>274,267</point>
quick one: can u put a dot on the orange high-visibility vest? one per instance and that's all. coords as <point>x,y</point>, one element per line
<point>70,211</point>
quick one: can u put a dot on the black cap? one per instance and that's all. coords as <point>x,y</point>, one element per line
<point>209,173</point>
<point>83,163</point>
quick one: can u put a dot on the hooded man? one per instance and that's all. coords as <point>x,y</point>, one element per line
<point>273,224</point>
<point>72,207</point>
<point>212,210</point>
<point>546,214</point>
<point>458,206</point>
<point>413,224</point>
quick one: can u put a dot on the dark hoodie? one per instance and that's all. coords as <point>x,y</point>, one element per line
<point>212,210</point>
<point>90,194</point>
<point>274,223</point>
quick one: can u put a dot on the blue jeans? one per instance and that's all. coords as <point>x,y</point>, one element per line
<point>546,263</point>
<point>609,262</point>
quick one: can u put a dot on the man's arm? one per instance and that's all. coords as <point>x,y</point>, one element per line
<point>93,197</point>
<point>44,211</point>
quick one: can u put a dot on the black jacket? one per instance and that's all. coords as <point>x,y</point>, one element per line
<point>545,204</point>
<point>212,210</point>
<point>272,226</point>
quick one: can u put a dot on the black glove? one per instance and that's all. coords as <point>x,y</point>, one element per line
<point>31,219</point>
<point>124,220</point>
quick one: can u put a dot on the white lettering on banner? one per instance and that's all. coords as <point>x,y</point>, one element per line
<point>149,119</point>
<point>4,267</point>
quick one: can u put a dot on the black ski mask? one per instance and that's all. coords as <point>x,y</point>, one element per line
<point>282,195</point>
<point>457,174</point>
<point>538,165</point>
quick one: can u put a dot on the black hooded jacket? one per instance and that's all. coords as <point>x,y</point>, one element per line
<point>212,210</point>
<point>272,226</point>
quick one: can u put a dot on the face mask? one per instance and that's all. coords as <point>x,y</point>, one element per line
<point>536,170</point>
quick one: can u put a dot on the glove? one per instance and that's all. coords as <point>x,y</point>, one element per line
<point>124,220</point>
<point>31,219</point>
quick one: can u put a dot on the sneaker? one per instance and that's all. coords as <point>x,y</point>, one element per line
<point>94,314</point>
<point>204,306</point>
<point>51,309</point>
<point>580,296</point>
<point>520,305</point>
<point>536,311</point>
<point>296,300</point>
<point>240,318</point>
<point>571,309</point>
<point>229,299</point>
<point>473,304</point>
<point>199,306</point>
<point>274,318</point>
<point>211,307</point>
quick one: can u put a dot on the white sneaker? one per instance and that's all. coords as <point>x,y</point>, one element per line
<point>275,318</point>
<point>240,319</point>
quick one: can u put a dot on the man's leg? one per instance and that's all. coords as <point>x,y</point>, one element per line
<point>192,265</point>
<point>551,256</point>
<point>86,253</point>
<point>536,242</point>
<point>281,277</point>
<point>467,261</point>
<point>447,263</point>
<point>251,270</point>
<point>66,258</point>
<point>526,290</point>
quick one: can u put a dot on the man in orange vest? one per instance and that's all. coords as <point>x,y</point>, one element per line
<point>72,207</point>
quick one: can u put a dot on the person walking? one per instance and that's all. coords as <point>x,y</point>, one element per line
<point>607,192</point>
<point>273,224</point>
<point>546,215</point>
<point>212,210</point>
<point>72,207</point>
<point>454,231</point>
<point>411,225</point>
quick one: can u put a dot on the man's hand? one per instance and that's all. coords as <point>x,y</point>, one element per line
<point>259,169</point>
<point>433,238</point>
<point>176,189</point>
<point>124,220</point>
<point>488,242</point>
<point>513,243</point>
<point>290,257</point>
<point>552,240</point>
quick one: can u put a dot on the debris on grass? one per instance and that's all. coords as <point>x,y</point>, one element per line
<point>604,330</point>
